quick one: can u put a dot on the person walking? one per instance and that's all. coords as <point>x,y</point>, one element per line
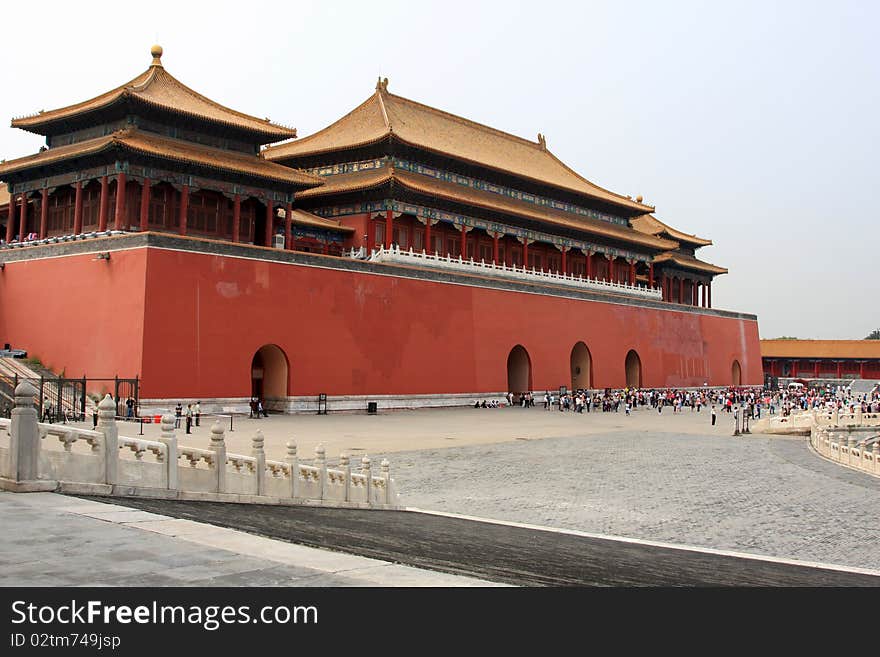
<point>197,411</point>
<point>178,412</point>
<point>713,415</point>
<point>189,418</point>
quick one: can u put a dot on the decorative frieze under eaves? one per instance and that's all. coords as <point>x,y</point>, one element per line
<point>465,181</point>
<point>155,174</point>
<point>423,214</point>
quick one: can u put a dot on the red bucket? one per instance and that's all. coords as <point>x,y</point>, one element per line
<point>157,419</point>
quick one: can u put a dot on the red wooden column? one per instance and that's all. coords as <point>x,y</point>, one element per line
<point>695,299</point>
<point>288,231</point>
<point>632,274</point>
<point>772,368</point>
<point>651,275</point>
<point>145,205</point>
<point>184,207</point>
<point>236,218</point>
<point>105,204</point>
<point>44,214</point>
<point>120,202</point>
<point>815,369</point>
<point>428,246</point>
<point>10,220</point>
<point>78,209</point>
<point>22,224</point>
<point>389,227</point>
<point>564,267</point>
<point>463,242</point>
<point>839,363</point>
<point>495,249</point>
<point>861,369</point>
<point>270,222</point>
<point>681,290</point>
<point>794,368</point>
<point>526,253</point>
<point>709,292</point>
<point>663,294</point>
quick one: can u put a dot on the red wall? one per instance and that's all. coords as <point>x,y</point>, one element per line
<point>205,316</point>
<point>359,334</point>
<point>76,313</point>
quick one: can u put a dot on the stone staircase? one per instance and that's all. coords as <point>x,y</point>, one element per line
<point>15,370</point>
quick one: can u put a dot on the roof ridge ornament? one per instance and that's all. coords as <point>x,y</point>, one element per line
<point>542,142</point>
<point>382,85</point>
<point>156,52</point>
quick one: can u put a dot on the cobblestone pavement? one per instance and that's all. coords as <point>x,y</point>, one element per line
<point>758,494</point>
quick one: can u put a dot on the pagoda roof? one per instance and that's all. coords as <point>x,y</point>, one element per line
<point>384,115</point>
<point>651,225</point>
<point>165,148</point>
<point>689,262</point>
<point>820,348</point>
<point>426,185</point>
<point>303,218</point>
<point>157,88</point>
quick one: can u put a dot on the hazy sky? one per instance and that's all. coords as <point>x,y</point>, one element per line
<point>753,124</point>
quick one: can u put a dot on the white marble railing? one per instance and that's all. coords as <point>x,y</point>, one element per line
<point>804,420</point>
<point>420,258</point>
<point>190,472</point>
<point>857,448</point>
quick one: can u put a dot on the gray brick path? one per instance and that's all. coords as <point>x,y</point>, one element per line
<point>761,495</point>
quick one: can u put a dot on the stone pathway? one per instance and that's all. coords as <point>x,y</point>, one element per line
<point>66,541</point>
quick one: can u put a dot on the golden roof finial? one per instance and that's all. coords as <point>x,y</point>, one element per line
<point>382,84</point>
<point>156,52</point>
<point>639,198</point>
<point>542,141</point>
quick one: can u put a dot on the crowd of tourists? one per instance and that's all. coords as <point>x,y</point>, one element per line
<point>745,402</point>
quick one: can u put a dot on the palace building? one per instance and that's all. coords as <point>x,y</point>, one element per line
<point>821,359</point>
<point>402,255</point>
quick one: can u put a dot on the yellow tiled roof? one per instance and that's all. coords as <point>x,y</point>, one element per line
<point>303,218</point>
<point>820,348</point>
<point>653,226</point>
<point>158,88</point>
<point>384,115</point>
<point>169,149</point>
<point>689,262</point>
<point>362,180</point>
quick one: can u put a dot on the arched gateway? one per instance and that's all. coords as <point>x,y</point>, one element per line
<point>269,373</point>
<point>519,371</point>
<point>736,373</point>
<point>633,370</point>
<point>581,367</point>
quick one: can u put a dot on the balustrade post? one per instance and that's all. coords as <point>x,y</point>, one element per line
<point>386,475</point>
<point>346,473</point>
<point>107,426</point>
<point>218,446</point>
<point>321,463</point>
<point>24,436</point>
<point>835,417</point>
<point>292,460</point>
<point>259,455</point>
<point>368,477</point>
<point>858,414</point>
<point>169,438</point>
<point>876,451</point>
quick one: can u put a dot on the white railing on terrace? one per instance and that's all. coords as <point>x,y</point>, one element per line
<point>124,464</point>
<point>397,255</point>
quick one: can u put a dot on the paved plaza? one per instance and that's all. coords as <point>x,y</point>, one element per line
<point>655,477</point>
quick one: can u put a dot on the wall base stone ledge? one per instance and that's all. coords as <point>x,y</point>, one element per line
<point>31,486</point>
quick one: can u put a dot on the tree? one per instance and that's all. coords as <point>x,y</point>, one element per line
<point>873,335</point>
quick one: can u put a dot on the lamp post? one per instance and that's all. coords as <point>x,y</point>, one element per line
<point>747,412</point>
<point>735,421</point>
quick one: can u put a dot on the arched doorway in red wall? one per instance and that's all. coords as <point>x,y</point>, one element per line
<point>269,373</point>
<point>736,373</point>
<point>633,367</point>
<point>519,371</point>
<point>581,367</point>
